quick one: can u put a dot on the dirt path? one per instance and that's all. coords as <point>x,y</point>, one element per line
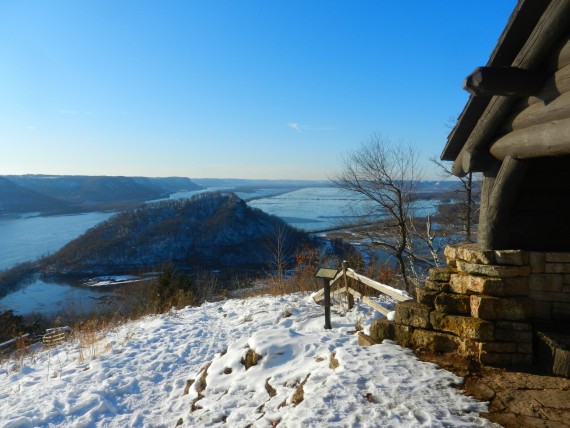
<point>516,398</point>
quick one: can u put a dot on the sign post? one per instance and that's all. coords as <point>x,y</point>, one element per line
<point>327,275</point>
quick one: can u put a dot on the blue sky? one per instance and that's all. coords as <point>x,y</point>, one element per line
<point>242,88</point>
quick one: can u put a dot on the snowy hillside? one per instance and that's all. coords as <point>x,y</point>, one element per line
<point>186,368</point>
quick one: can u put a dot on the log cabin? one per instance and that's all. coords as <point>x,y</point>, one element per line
<point>505,300</point>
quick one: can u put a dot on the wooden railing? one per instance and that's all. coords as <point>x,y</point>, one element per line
<point>346,273</point>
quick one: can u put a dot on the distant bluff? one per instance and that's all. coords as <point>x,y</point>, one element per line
<point>211,229</point>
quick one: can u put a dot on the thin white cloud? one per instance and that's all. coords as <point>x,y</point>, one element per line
<point>295,126</point>
<point>301,128</point>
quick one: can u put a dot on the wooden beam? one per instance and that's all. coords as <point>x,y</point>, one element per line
<point>552,25</point>
<point>505,81</point>
<point>478,161</point>
<point>398,295</point>
<point>369,302</point>
<point>548,139</point>
<point>499,195</point>
<point>539,113</point>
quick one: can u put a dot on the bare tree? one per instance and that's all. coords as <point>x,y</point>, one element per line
<point>467,197</point>
<point>280,250</point>
<point>386,175</point>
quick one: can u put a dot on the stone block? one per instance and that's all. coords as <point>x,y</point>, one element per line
<point>522,359</point>
<point>511,257</point>
<point>495,308</point>
<point>469,348</point>
<point>381,329</point>
<point>365,340</point>
<point>451,262</point>
<point>425,296</point>
<point>436,285</point>
<point>537,261</point>
<point>403,335</point>
<point>545,282</point>
<point>442,273</point>
<point>434,341</point>
<point>557,257</point>
<point>507,335</point>
<point>557,268</point>
<point>464,327</point>
<point>462,283</point>
<point>561,311</point>
<point>457,304</point>
<point>550,297</point>
<point>471,284</point>
<point>495,271</point>
<point>515,326</point>
<point>542,310</point>
<point>413,314</point>
<point>525,348</point>
<point>501,347</point>
<point>496,359</point>
<point>471,253</point>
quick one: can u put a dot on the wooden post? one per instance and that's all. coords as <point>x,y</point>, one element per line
<point>349,297</point>
<point>327,288</point>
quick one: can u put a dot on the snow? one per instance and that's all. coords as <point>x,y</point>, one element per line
<point>141,373</point>
<point>102,281</point>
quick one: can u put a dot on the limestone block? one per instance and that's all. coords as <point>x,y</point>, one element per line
<point>550,297</point>
<point>522,359</point>
<point>470,253</point>
<point>458,304</point>
<point>365,340</point>
<point>413,314</point>
<point>471,284</point>
<point>514,325</point>
<point>511,257</point>
<point>451,262</point>
<point>381,329</point>
<point>557,268</point>
<point>525,348</point>
<point>441,273</point>
<point>557,257</point>
<point>496,359</point>
<point>495,308</point>
<point>542,310</point>
<point>502,347</point>
<point>561,311</point>
<point>426,296</point>
<point>537,261</point>
<point>434,341</point>
<point>464,327</point>
<point>545,282</point>
<point>495,271</point>
<point>463,284</point>
<point>513,332</point>
<point>469,348</point>
<point>566,279</point>
<point>436,285</point>
<point>403,335</point>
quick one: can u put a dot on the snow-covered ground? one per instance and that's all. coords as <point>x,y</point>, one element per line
<point>186,368</point>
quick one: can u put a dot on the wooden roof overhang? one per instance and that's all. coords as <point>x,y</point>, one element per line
<point>517,67</point>
<point>518,113</point>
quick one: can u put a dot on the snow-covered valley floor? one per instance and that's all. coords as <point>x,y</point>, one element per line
<point>186,368</point>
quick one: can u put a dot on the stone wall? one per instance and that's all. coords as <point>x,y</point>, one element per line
<point>481,304</point>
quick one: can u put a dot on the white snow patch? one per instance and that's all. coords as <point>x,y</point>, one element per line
<point>136,375</point>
